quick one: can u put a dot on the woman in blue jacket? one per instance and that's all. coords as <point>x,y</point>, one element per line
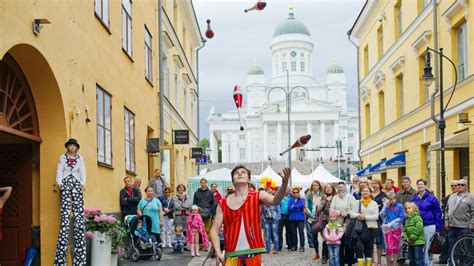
<point>430,212</point>
<point>296,219</point>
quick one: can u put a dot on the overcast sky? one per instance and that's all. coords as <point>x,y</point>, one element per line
<point>240,37</point>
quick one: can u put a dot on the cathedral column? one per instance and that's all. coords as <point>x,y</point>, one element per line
<point>279,139</point>
<point>322,139</point>
<point>309,131</point>
<point>248,149</point>
<point>293,137</point>
<point>225,147</point>
<point>213,147</point>
<point>234,151</point>
<point>265,141</point>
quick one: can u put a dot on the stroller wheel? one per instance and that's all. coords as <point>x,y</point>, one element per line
<point>135,255</point>
<point>158,253</point>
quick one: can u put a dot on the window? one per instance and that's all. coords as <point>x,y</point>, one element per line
<point>293,66</point>
<point>380,41</point>
<point>366,59</point>
<point>381,109</point>
<point>176,89</point>
<point>242,154</point>
<point>148,57</point>
<point>102,11</point>
<point>284,67</point>
<point>367,120</point>
<point>241,137</point>
<point>424,90</point>
<point>461,48</point>
<point>129,124</point>
<point>104,126</point>
<point>425,161</point>
<point>350,135</point>
<point>302,67</point>
<point>127,26</point>
<point>166,73</point>
<point>399,96</point>
<point>398,19</point>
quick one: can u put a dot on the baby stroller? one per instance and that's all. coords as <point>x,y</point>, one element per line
<point>135,250</point>
<point>403,252</point>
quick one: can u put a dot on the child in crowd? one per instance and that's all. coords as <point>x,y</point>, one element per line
<point>393,216</point>
<point>333,233</point>
<point>178,241</point>
<point>413,233</point>
<point>146,240</point>
<point>195,228</point>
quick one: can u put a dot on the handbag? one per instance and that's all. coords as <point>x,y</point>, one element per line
<point>359,227</point>
<point>437,244</point>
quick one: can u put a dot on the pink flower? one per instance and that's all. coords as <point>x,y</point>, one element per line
<point>89,234</point>
<point>97,219</point>
<point>111,219</point>
<point>119,252</point>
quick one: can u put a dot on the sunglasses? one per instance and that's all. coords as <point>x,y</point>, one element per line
<point>461,185</point>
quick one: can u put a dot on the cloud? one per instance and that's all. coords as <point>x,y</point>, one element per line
<point>240,37</point>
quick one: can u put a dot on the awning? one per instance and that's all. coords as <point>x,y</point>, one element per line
<point>375,169</point>
<point>459,140</point>
<point>396,161</point>
<point>364,171</point>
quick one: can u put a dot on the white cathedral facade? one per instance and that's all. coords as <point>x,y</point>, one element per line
<point>317,108</point>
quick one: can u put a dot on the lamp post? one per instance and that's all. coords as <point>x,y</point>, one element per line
<point>428,79</point>
<point>288,93</point>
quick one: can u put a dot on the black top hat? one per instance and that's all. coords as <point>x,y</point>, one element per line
<point>72,141</point>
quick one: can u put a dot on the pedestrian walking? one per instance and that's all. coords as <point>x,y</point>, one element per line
<point>168,216</point>
<point>333,233</point>
<point>243,205</point>
<point>430,212</point>
<point>380,198</point>
<point>195,225</point>
<point>71,179</point>
<point>271,219</point>
<point>413,233</point>
<point>366,212</point>
<point>460,210</point>
<point>182,207</point>
<point>343,203</point>
<point>130,196</point>
<point>296,219</point>
<point>393,217</point>
<point>313,200</point>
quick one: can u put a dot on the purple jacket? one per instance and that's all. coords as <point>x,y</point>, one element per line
<point>430,210</point>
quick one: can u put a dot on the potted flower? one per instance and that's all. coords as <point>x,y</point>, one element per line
<point>106,234</point>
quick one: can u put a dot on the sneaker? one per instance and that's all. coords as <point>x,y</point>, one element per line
<point>325,260</point>
<point>311,246</point>
<point>316,257</point>
<point>274,251</point>
<point>301,250</point>
<point>198,254</point>
<point>192,255</point>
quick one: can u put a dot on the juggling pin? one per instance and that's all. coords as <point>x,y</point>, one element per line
<point>209,31</point>
<point>238,99</point>
<point>260,5</point>
<point>303,140</point>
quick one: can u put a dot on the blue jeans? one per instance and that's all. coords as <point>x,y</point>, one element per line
<point>271,231</point>
<point>309,234</point>
<point>416,255</point>
<point>333,254</point>
<point>453,234</point>
<point>178,247</point>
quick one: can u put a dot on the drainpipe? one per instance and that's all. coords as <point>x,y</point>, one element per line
<point>358,93</point>
<point>203,43</point>
<point>161,76</point>
<point>433,95</point>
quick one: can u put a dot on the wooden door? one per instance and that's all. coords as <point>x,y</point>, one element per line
<point>16,171</point>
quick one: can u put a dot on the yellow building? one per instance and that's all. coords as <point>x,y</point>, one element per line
<point>86,70</point>
<point>395,105</point>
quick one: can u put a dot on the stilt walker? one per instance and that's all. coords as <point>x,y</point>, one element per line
<point>71,179</point>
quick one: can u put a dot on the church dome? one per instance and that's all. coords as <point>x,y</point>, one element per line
<point>255,70</point>
<point>335,69</point>
<point>291,26</point>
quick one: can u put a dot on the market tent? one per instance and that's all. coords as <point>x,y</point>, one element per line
<point>323,175</point>
<point>269,172</point>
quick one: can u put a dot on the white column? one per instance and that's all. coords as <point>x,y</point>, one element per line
<point>309,131</point>
<point>322,130</point>
<point>337,137</point>
<point>248,149</point>
<point>234,151</point>
<point>279,148</point>
<point>265,141</point>
<point>225,148</point>
<point>293,138</point>
<point>213,147</point>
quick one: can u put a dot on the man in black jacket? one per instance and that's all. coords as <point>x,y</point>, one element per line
<point>204,199</point>
<point>130,196</point>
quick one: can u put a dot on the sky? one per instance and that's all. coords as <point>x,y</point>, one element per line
<point>242,37</point>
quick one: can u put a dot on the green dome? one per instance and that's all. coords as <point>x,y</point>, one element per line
<point>335,69</point>
<point>255,70</point>
<point>291,26</point>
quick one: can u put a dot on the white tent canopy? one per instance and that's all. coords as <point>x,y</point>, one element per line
<point>222,174</point>
<point>323,175</point>
<point>269,172</point>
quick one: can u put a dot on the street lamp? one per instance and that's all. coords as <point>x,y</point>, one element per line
<point>288,93</point>
<point>428,79</point>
